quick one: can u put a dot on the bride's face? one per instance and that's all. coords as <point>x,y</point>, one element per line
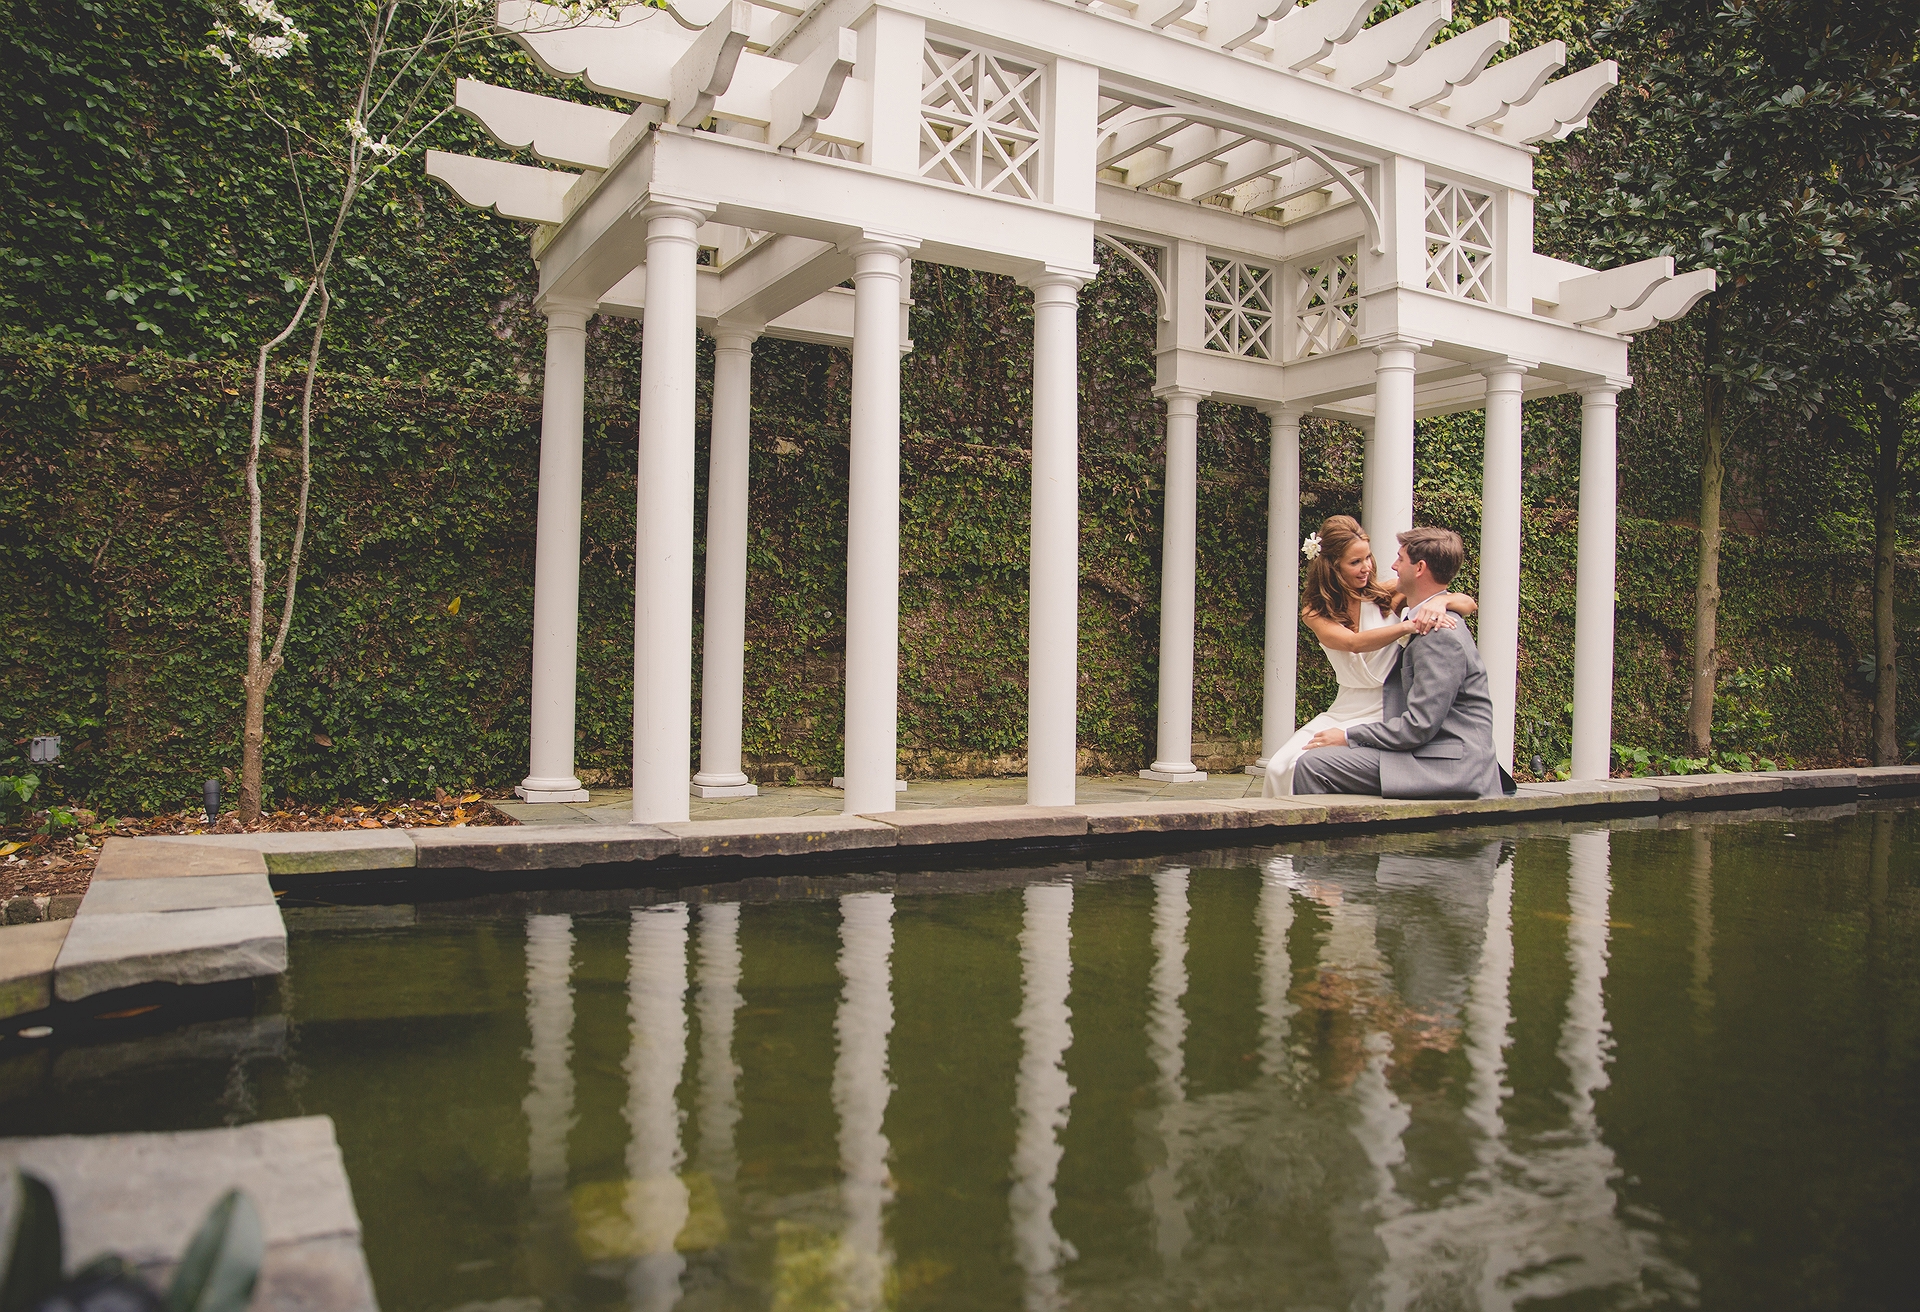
<point>1356,567</point>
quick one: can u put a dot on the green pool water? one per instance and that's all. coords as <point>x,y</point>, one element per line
<point>1663,1063</point>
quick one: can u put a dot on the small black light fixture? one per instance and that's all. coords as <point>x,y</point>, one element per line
<point>210,794</point>
<point>44,749</point>
<point>1539,766</point>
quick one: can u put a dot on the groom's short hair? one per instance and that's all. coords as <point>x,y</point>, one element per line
<point>1440,548</point>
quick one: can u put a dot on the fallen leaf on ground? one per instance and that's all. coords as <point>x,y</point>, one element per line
<point>371,824</point>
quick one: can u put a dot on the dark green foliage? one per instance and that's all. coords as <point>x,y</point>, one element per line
<point>218,1271</point>
<point>36,1252</point>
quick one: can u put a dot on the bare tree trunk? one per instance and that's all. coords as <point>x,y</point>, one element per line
<point>262,667</point>
<point>1706,590</point>
<point>1886,494</point>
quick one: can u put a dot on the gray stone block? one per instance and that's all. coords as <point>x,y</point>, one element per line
<point>27,954</point>
<point>170,856</point>
<point>780,835</point>
<point>1271,811</point>
<point>1875,778</point>
<point>1699,787</point>
<point>1599,791</point>
<point>316,851</point>
<point>105,952</point>
<point>192,893</point>
<point>1809,781</point>
<point>984,824</point>
<point>64,906</point>
<point>143,1195</point>
<point>540,847</point>
<point>1155,817</point>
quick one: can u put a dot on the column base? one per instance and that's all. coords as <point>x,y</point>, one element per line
<point>575,794</point>
<point>698,789</point>
<point>1176,776</point>
<point>840,782</point>
<point>1258,767</point>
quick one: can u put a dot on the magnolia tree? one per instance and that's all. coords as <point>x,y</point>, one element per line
<point>401,52</point>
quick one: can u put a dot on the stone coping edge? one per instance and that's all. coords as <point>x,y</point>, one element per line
<point>975,831</point>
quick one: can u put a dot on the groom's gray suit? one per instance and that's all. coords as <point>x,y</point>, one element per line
<point>1436,739</point>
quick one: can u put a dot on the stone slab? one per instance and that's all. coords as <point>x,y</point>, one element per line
<point>317,852</point>
<point>1876,777</point>
<point>1270,811</point>
<point>780,835</point>
<point>172,856</point>
<point>540,847</point>
<point>143,1195</point>
<point>1155,817</point>
<point>105,952</point>
<point>27,954</point>
<point>1802,781</point>
<point>193,893</point>
<point>1699,787</point>
<point>1598,790</point>
<point>984,824</point>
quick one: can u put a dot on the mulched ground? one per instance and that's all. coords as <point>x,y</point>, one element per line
<point>34,864</point>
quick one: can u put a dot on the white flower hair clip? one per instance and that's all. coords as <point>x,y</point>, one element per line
<point>1311,547</point>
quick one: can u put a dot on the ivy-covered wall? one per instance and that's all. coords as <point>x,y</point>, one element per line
<point>146,239</point>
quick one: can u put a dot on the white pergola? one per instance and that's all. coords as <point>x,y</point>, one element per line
<point>1338,220</point>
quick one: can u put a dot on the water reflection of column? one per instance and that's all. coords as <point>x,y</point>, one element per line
<point>1276,968</point>
<point>861,1088</point>
<point>1702,990</point>
<point>1586,1037</point>
<point>1041,1090</point>
<point>549,1100</point>
<point>1166,1044</point>
<point>715,1003</point>
<point>1490,1016</point>
<point>657,1014</point>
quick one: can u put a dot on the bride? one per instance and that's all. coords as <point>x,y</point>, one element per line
<point>1349,610</point>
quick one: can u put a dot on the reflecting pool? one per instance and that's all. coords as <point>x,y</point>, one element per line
<point>1660,1063</point>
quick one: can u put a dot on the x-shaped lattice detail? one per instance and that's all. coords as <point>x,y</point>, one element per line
<point>978,126</point>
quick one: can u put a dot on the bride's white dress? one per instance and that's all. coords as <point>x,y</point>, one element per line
<point>1361,675</point>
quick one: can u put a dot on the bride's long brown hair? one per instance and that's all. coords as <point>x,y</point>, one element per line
<point>1326,593</point>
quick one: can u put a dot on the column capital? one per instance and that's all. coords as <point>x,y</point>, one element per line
<point>1056,277</point>
<point>656,205</point>
<point>880,243</point>
<point>735,337</point>
<point>1601,391</point>
<point>1382,346</point>
<point>565,312</point>
<point>1283,412</point>
<point>1181,399</point>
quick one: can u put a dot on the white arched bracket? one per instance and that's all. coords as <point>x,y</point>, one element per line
<point>1133,257</point>
<point>1251,131</point>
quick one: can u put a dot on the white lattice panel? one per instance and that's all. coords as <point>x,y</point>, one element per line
<point>1329,315</point>
<point>1459,241</point>
<point>1240,308</point>
<point>980,120</point>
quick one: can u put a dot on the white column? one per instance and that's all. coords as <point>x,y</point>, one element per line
<point>1173,755</point>
<point>657,1014</point>
<point>1392,497</point>
<point>724,637</point>
<point>873,530</point>
<point>1490,1017</point>
<point>663,548</point>
<point>1281,673</point>
<point>1041,1091</point>
<point>1593,601</point>
<point>556,561</point>
<point>1586,1036</point>
<point>1369,472</point>
<point>1053,597</point>
<point>861,1091</point>
<point>1500,551</point>
<point>549,1100</point>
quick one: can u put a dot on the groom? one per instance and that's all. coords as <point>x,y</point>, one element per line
<point>1436,739</point>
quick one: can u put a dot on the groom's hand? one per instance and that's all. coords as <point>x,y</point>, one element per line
<point>1328,738</point>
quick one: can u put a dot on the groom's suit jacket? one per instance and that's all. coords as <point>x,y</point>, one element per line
<point>1436,739</point>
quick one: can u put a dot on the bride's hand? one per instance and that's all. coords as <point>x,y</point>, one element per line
<point>1433,614</point>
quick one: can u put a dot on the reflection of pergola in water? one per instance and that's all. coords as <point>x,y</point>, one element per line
<point>1338,220</point>
<point>1534,1217</point>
